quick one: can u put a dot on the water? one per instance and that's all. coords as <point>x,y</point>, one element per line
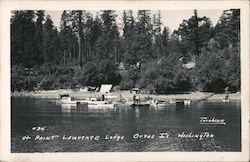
<point>29,113</point>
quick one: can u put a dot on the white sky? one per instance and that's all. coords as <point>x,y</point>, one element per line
<point>170,18</point>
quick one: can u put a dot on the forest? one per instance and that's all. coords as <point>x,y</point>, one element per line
<point>89,50</point>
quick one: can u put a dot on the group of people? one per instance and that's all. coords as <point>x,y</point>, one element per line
<point>136,99</point>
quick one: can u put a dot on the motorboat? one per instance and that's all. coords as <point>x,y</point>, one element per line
<point>66,99</point>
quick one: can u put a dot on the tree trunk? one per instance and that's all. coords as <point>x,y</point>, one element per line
<point>80,38</point>
<point>79,52</point>
<point>64,51</point>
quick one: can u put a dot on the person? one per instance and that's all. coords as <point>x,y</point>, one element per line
<point>226,97</point>
<point>226,92</point>
<point>103,97</point>
<point>134,98</point>
<point>137,99</point>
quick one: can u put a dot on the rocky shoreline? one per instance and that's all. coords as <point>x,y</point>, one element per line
<point>194,96</point>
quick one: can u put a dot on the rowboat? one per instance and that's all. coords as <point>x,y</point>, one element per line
<point>128,103</point>
<point>97,104</point>
<point>161,104</point>
<point>89,102</point>
<point>101,105</point>
<point>140,104</point>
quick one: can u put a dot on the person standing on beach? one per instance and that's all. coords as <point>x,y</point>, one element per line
<point>227,93</point>
<point>103,97</point>
<point>134,98</point>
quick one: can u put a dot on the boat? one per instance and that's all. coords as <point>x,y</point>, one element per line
<point>187,102</point>
<point>128,103</point>
<point>171,101</point>
<point>97,104</point>
<point>225,100</point>
<point>101,105</point>
<point>161,104</point>
<point>66,99</point>
<point>89,102</point>
<point>140,104</point>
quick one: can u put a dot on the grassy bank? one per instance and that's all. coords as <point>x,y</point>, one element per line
<point>194,96</point>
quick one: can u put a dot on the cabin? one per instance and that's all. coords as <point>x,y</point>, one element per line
<point>135,90</point>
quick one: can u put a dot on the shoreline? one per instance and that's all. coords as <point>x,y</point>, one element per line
<point>193,96</point>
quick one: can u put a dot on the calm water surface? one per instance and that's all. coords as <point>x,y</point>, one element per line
<point>59,120</point>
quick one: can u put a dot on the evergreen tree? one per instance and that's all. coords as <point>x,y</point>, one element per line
<point>39,36</point>
<point>67,38</point>
<point>165,41</point>
<point>128,32</point>
<point>219,66</point>
<point>157,39</point>
<point>49,44</point>
<point>194,34</point>
<point>77,25</point>
<point>96,32</point>
<point>88,35</point>
<point>141,49</point>
<point>107,42</point>
<point>153,57</point>
<point>23,47</point>
<point>227,30</point>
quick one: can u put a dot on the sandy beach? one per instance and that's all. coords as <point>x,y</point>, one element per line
<point>194,96</point>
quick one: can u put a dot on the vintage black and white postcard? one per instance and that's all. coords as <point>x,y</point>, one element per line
<point>125,81</point>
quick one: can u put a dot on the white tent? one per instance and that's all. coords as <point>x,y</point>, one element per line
<point>105,88</point>
<point>189,65</point>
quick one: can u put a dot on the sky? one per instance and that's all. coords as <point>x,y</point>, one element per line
<point>170,18</point>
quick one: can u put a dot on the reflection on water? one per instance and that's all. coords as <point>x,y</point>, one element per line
<point>66,109</point>
<point>81,120</point>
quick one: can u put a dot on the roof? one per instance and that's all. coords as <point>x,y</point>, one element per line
<point>135,89</point>
<point>105,88</point>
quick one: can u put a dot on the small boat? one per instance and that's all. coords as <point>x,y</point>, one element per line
<point>101,106</point>
<point>97,104</point>
<point>162,104</point>
<point>89,102</point>
<point>225,100</point>
<point>158,103</point>
<point>187,102</point>
<point>140,104</point>
<point>66,99</point>
<point>171,101</point>
<point>128,103</point>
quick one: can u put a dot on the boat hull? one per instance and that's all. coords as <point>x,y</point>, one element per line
<point>140,104</point>
<point>68,102</point>
<point>99,106</point>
